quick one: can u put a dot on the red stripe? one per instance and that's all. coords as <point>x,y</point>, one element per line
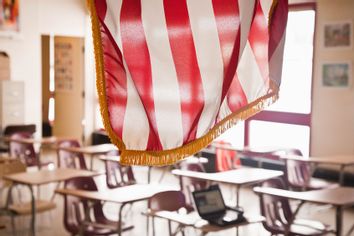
<point>115,76</point>
<point>277,25</point>
<point>186,64</point>
<point>138,60</point>
<point>227,16</point>
<point>259,39</point>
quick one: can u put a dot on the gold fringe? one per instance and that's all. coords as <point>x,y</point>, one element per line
<point>165,157</point>
<point>100,76</point>
<point>169,157</point>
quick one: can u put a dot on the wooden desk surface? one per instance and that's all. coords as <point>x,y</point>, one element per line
<point>238,177</point>
<point>48,176</point>
<point>194,220</point>
<point>126,194</point>
<point>335,160</point>
<point>266,149</point>
<point>43,140</point>
<point>341,196</point>
<point>93,149</point>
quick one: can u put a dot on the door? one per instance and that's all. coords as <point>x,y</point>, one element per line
<point>69,87</point>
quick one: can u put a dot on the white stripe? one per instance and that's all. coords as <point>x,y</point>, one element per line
<point>276,62</point>
<point>136,126</point>
<point>246,8</point>
<point>207,45</point>
<point>249,75</point>
<point>224,110</point>
<point>266,5</point>
<point>164,77</point>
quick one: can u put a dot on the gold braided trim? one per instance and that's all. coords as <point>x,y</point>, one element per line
<point>100,76</point>
<point>171,156</point>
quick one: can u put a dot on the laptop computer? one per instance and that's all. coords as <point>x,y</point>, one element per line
<point>211,207</point>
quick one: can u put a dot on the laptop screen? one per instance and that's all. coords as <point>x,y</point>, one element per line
<point>209,201</point>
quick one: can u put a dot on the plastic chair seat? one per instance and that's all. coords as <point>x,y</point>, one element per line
<point>26,207</point>
<point>91,228</point>
<point>308,227</point>
<point>316,183</point>
<point>280,218</point>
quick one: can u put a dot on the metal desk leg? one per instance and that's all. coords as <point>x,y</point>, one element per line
<point>120,219</point>
<point>341,175</point>
<point>33,211</point>
<point>339,220</point>
<point>91,162</point>
<point>237,196</point>
<point>149,174</point>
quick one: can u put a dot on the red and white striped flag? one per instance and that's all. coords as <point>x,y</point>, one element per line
<point>172,75</point>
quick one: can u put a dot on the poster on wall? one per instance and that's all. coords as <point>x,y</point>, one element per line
<point>9,17</point>
<point>63,67</point>
<point>336,74</point>
<point>338,34</point>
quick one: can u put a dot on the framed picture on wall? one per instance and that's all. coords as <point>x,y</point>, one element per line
<point>337,74</point>
<point>9,17</point>
<point>338,34</point>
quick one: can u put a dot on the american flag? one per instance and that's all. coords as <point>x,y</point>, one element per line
<point>172,75</point>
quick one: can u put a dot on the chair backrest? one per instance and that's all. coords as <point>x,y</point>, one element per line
<point>24,151</point>
<point>10,129</point>
<point>189,185</point>
<point>276,210</point>
<point>118,175</point>
<point>74,207</point>
<point>225,159</point>
<point>298,173</point>
<point>167,201</point>
<point>67,159</point>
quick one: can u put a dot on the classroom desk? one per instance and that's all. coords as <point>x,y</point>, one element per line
<point>44,177</point>
<point>341,160</point>
<point>238,177</point>
<point>92,151</point>
<point>193,220</point>
<point>258,153</point>
<point>338,197</point>
<point>122,195</point>
<point>43,141</point>
<point>191,159</point>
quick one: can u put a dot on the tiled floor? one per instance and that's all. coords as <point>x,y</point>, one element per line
<point>52,223</point>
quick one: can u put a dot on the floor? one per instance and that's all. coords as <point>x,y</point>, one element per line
<point>52,223</point>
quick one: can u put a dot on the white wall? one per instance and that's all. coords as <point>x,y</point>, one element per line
<point>37,17</point>
<point>333,109</point>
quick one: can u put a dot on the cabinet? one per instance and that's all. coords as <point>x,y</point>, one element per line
<point>11,103</point>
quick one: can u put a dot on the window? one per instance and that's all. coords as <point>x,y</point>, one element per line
<point>289,119</point>
<point>287,122</point>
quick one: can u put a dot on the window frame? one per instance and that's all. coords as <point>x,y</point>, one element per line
<point>290,118</point>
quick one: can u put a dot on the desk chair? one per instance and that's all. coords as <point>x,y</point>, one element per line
<point>226,159</point>
<point>189,185</point>
<point>11,129</point>
<point>168,201</point>
<point>280,219</point>
<point>299,177</point>
<point>16,207</point>
<point>25,151</point>
<point>67,159</point>
<point>82,217</point>
<point>118,175</point>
